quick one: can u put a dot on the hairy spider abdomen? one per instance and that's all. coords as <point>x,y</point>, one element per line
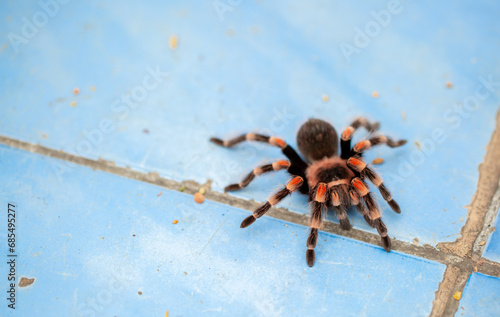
<point>317,139</point>
<point>328,170</point>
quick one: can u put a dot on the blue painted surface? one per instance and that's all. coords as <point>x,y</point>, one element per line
<point>492,248</point>
<point>95,240</point>
<point>481,296</point>
<point>263,65</point>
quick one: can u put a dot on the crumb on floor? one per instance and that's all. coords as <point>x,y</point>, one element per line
<point>173,42</point>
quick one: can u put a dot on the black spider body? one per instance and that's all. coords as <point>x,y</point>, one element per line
<point>330,181</point>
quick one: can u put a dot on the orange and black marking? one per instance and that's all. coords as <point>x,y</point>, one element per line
<point>318,205</point>
<point>360,186</point>
<point>358,165</point>
<point>362,146</point>
<point>360,206</point>
<point>290,187</point>
<point>347,134</point>
<point>297,166</point>
<point>381,139</point>
<point>339,199</point>
<point>359,122</point>
<point>276,166</point>
<point>363,192</point>
<point>372,214</point>
<point>345,138</point>
<point>250,137</point>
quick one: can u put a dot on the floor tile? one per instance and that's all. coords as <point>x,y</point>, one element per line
<point>481,296</point>
<point>100,243</point>
<point>492,248</point>
<point>261,66</point>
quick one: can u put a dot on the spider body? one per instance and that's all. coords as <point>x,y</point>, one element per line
<point>330,170</point>
<point>331,181</point>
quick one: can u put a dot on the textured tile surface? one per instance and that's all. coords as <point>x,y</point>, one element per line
<point>481,296</point>
<point>261,66</point>
<point>94,241</point>
<point>492,249</point>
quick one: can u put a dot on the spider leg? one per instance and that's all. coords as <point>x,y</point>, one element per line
<point>276,166</point>
<point>345,139</point>
<point>362,146</point>
<point>340,201</point>
<point>251,137</point>
<point>362,190</point>
<point>358,165</point>
<point>318,205</point>
<point>360,206</point>
<point>290,187</point>
<point>298,166</point>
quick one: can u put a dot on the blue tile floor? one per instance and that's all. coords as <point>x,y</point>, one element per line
<point>481,296</point>
<point>144,85</point>
<point>124,242</point>
<point>263,66</point>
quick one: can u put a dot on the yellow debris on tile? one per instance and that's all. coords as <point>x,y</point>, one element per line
<point>378,161</point>
<point>173,42</point>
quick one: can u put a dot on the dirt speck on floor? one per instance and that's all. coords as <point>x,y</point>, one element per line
<point>173,42</point>
<point>199,198</point>
<point>26,281</point>
<point>419,146</point>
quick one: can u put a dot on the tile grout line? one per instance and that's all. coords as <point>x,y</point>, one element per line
<point>191,187</point>
<point>478,263</point>
<point>451,306</point>
<point>455,278</point>
<point>480,216</point>
<point>491,268</point>
<point>488,267</point>
<point>488,229</point>
<point>445,290</point>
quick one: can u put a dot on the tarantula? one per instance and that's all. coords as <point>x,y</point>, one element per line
<point>330,180</point>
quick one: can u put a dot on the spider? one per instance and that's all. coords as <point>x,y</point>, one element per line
<point>330,181</point>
